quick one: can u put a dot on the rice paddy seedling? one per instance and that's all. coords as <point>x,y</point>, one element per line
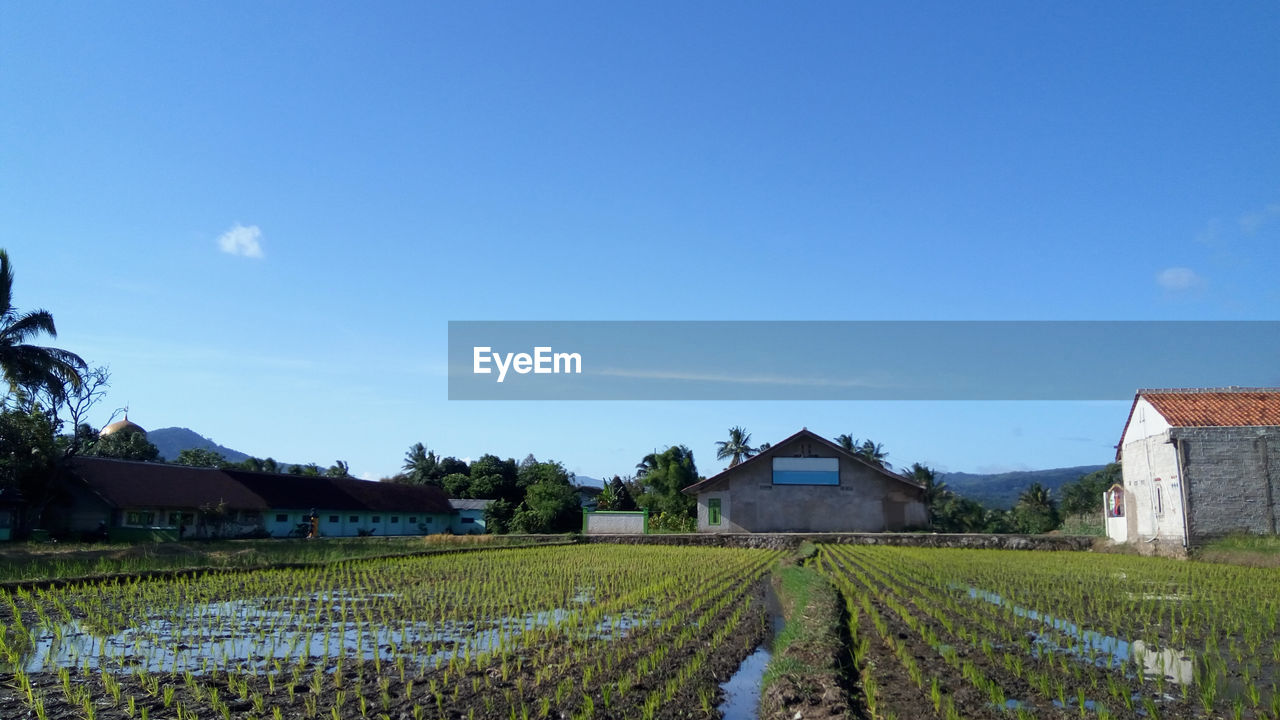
<point>1068,625</point>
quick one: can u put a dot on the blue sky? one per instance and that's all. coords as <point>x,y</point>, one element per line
<point>262,217</point>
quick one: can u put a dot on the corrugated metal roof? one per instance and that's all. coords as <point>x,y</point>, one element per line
<point>135,484</point>
<point>469,504</point>
<point>124,483</point>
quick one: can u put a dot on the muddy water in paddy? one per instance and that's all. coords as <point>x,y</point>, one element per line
<point>742,690</point>
<point>246,634</point>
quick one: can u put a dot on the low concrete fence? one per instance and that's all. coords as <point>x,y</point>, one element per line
<point>615,522</point>
<point>784,541</point>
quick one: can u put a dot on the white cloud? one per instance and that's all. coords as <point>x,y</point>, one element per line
<point>730,378</point>
<point>241,240</point>
<point>1179,278</point>
<point>1254,221</point>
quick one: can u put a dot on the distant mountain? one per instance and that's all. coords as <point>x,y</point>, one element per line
<point>1001,490</point>
<point>174,440</point>
<point>588,481</point>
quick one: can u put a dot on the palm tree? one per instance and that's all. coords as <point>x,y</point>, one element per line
<point>31,367</point>
<point>848,443</point>
<point>935,491</point>
<point>1036,511</point>
<point>872,452</point>
<point>647,464</point>
<point>1036,497</point>
<point>420,463</point>
<point>737,448</point>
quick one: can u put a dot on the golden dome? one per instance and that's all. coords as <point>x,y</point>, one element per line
<point>121,425</point>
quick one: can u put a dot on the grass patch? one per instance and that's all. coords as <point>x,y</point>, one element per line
<point>1091,525</point>
<point>1241,549</point>
<point>805,671</point>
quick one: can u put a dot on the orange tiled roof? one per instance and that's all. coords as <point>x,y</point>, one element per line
<point>1217,407</point>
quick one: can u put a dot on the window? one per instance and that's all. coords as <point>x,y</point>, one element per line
<point>175,519</point>
<point>413,519</point>
<point>467,521</point>
<point>139,517</point>
<point>713,511</point>
<point>333,518</point>
<point>376,518</point>
<point>354,519</point>
<point>426,521</point>
<point>1158,498</point>
<point>395,518</point>
<point>282,518</point>
<point>806,471</point>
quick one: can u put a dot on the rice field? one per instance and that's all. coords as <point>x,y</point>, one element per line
<point>952,633</point>
<point>620,631</point>
<point>565,631</point>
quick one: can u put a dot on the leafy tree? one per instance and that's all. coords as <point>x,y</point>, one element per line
<point>620,495</point>
<point>1084,496</point>
<point>456,485</point>
<point>449,466</point>
<point>763,447</point>
<point>737,448</point>
<point>550,506</point>
<point>420,465</point>
<point>200,457</point>
<point>494,478</point>
<point>125,445</point>
<point>1036,511</point>
<point>497,517</point>
<point>32,367</point>
<point>673,471</point>
<point>340,469</point>
<point>29,457</point>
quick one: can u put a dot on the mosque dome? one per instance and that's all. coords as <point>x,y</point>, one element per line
<point>122,426</point>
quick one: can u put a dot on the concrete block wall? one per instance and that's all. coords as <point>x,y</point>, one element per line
<point>864,501</point>
<point>1233,476</point>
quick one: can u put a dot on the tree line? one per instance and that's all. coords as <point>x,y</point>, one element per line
<point>50,388</point>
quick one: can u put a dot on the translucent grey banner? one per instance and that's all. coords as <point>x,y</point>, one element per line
<point>862,360</point>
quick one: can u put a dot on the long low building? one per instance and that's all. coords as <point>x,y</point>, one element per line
<point>137,499</point>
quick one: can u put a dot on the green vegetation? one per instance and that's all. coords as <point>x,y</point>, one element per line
<point>737,448</point>
<point>1252,550</point>
<point>33,372</point>
<point>583,631</point>
<point>661,478</point>
<point>65,561</point>
<point>1115,635</point>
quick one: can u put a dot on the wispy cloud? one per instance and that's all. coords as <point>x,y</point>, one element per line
<point>1179,279</point>
<point>242,240</point>
<point>1251,223</point>
<point>735,379</point>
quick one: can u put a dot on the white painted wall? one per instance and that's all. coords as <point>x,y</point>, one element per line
<point>1150,468</point>
<point>1145,422</point>
<point>615,523</point>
